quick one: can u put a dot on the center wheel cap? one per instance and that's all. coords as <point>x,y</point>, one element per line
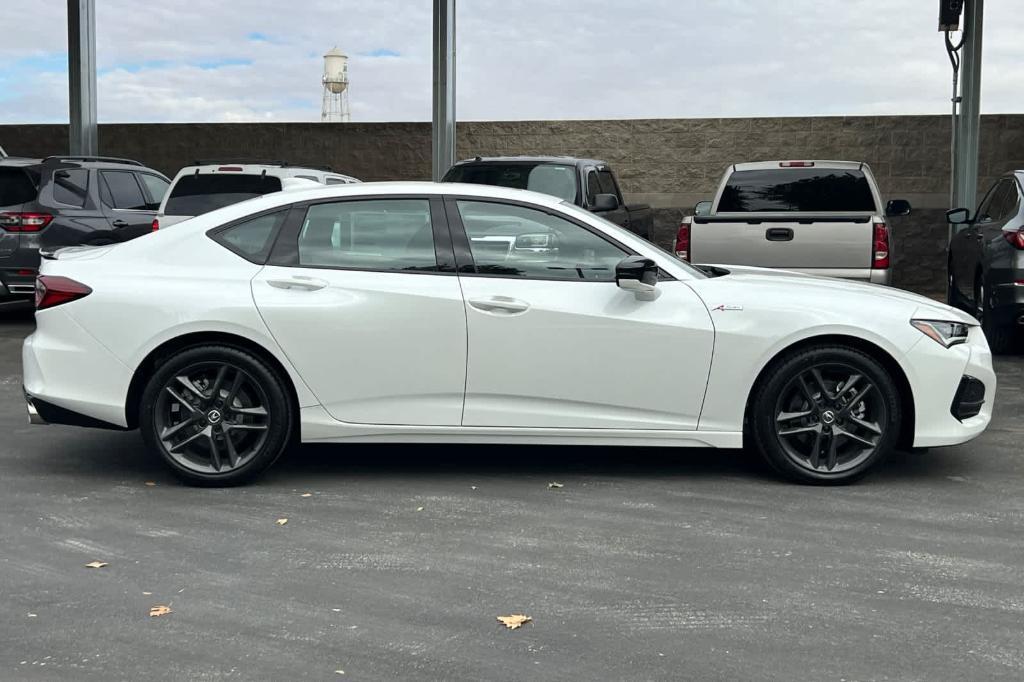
<point>828,417</point>
<point>214,416</point>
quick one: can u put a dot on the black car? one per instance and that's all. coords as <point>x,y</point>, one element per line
<point>46,204</point>
<point>588,183</point>
<point>986,261</point>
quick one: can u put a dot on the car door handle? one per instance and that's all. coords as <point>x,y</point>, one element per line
<point>120,223</point>
<point>298,283</point>
<point>499,304</point>
<point>779,234</point>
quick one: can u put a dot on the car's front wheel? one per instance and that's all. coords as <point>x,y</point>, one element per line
<point>216,415</point>
<point>825,414</point>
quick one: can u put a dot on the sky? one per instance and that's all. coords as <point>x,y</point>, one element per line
<point>261,60</point>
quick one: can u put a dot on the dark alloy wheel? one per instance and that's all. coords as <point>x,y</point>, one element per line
<point>826,415</point>
<point>217,415</point>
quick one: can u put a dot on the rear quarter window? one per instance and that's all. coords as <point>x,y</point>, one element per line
<point>813,190</point>
<point>194,195</point>
<point>16,187</point>
<point>252,238</point>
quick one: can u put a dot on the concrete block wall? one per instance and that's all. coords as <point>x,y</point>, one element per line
<point>669,163</point>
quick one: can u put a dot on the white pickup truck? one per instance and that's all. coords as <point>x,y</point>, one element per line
<point>814,217</point>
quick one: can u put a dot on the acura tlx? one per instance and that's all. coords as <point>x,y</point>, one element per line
<point>419,312</point>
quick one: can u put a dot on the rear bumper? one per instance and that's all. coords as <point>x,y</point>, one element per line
<point>41,412</point>
<point>1008,302</point>
<point>18,282</point>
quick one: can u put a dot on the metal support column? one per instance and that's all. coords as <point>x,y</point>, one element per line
<point>83,134</point>
<point>443,132</point>
<point>965,151</point>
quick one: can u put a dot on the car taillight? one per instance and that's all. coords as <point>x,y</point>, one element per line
<point>51,291</point>
<point>230,169</point>
<point>683,240</point>
<point>880,247</point>
<point>156,224</point>
<point>796,164</point>
<point>1016,239</point>
<point>24,222</point>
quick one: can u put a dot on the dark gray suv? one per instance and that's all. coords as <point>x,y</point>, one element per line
<point>69,201</point>
<point>986,261</point>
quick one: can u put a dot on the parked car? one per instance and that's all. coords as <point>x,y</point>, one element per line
<point>69,201</point>
<point>815,217</point>
<point>587,183</point>
<point>986,261</point>
<point>209,185</point>
<point>371,313</point>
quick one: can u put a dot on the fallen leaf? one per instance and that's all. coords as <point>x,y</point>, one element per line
<point>419,508</point>
<point>159,610</point>
<point>147,593</point>
<point>514,621</point>
<point>306,495</point>
<point>340,672</point>
<point>555,484</point>
<point>96,564</point>
<point>151,483</point>
<point>281,522</point>
<point>472,487</point>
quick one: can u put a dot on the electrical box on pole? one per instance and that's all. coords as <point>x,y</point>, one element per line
<point>949,14</point>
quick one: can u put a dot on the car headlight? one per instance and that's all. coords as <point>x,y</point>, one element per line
<point>942,331</point>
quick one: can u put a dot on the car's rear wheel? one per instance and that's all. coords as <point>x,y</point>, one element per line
<point>216,415</point>
<point>825,414</point>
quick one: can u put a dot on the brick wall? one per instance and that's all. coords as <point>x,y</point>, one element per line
<point>669,163</point>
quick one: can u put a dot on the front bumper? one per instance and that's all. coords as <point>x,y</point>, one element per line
<point>936,376</point>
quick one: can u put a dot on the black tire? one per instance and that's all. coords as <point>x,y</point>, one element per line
<point>230,425</point>
<point>788,418</point>
<point>1001,338</point>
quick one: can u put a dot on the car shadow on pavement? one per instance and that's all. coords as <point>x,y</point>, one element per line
<point>119,457</point>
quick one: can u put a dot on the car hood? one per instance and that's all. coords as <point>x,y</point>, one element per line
<point>925,306</point>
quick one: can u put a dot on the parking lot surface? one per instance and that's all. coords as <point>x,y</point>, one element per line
<point>396,560</point>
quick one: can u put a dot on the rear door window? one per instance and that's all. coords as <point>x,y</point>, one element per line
<point>194,195</point>
<point>812,190</point>
<point>122,190</point>
<point>16,187</point>
<point>372,234</point>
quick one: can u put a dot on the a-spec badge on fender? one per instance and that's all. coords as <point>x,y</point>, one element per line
<point>727,306</point>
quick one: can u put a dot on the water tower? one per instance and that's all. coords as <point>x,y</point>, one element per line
<point>335,82</point>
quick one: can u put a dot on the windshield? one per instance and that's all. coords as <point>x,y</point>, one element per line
<point>194,195</point>
<point>558,180</point>
<point>615,230</point>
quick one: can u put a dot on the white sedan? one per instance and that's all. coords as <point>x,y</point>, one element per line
<point>418,312</point>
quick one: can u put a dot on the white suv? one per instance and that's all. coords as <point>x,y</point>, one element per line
<point>206,186</point>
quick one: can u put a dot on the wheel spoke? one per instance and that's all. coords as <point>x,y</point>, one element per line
<point>816,373</point>
<point>833,445</point>
<point>187,383</point>
<point>806,390</point>
<point>790,416</point>
<point>214,451</point>
<point>230,446</point>
<point>258,410</point>
<point>236,384</point>
<point>181,399</point>
<point>221,373</point>
<point>853,436</point>
<point>870,426</point>
<point>195,436</point>
<point>857,398</point>
<point>815,458</point>
<point>191,420</point>
<point>848,384</point>
<point>245,427</point>
<point>798,430</point>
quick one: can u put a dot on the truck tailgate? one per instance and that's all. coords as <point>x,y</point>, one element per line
<point>805,243</point>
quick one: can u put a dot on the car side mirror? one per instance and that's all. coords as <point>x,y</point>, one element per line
<point>958,216</point>
<point>702,208</point>
<point>897,207</point>
<point>605,202</point>
<point>63,174</point>
<point>639,275</point>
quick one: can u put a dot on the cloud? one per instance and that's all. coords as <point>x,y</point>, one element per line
<point>529,59</point>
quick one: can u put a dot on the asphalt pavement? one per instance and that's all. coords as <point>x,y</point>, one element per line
<point>395,562</point>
